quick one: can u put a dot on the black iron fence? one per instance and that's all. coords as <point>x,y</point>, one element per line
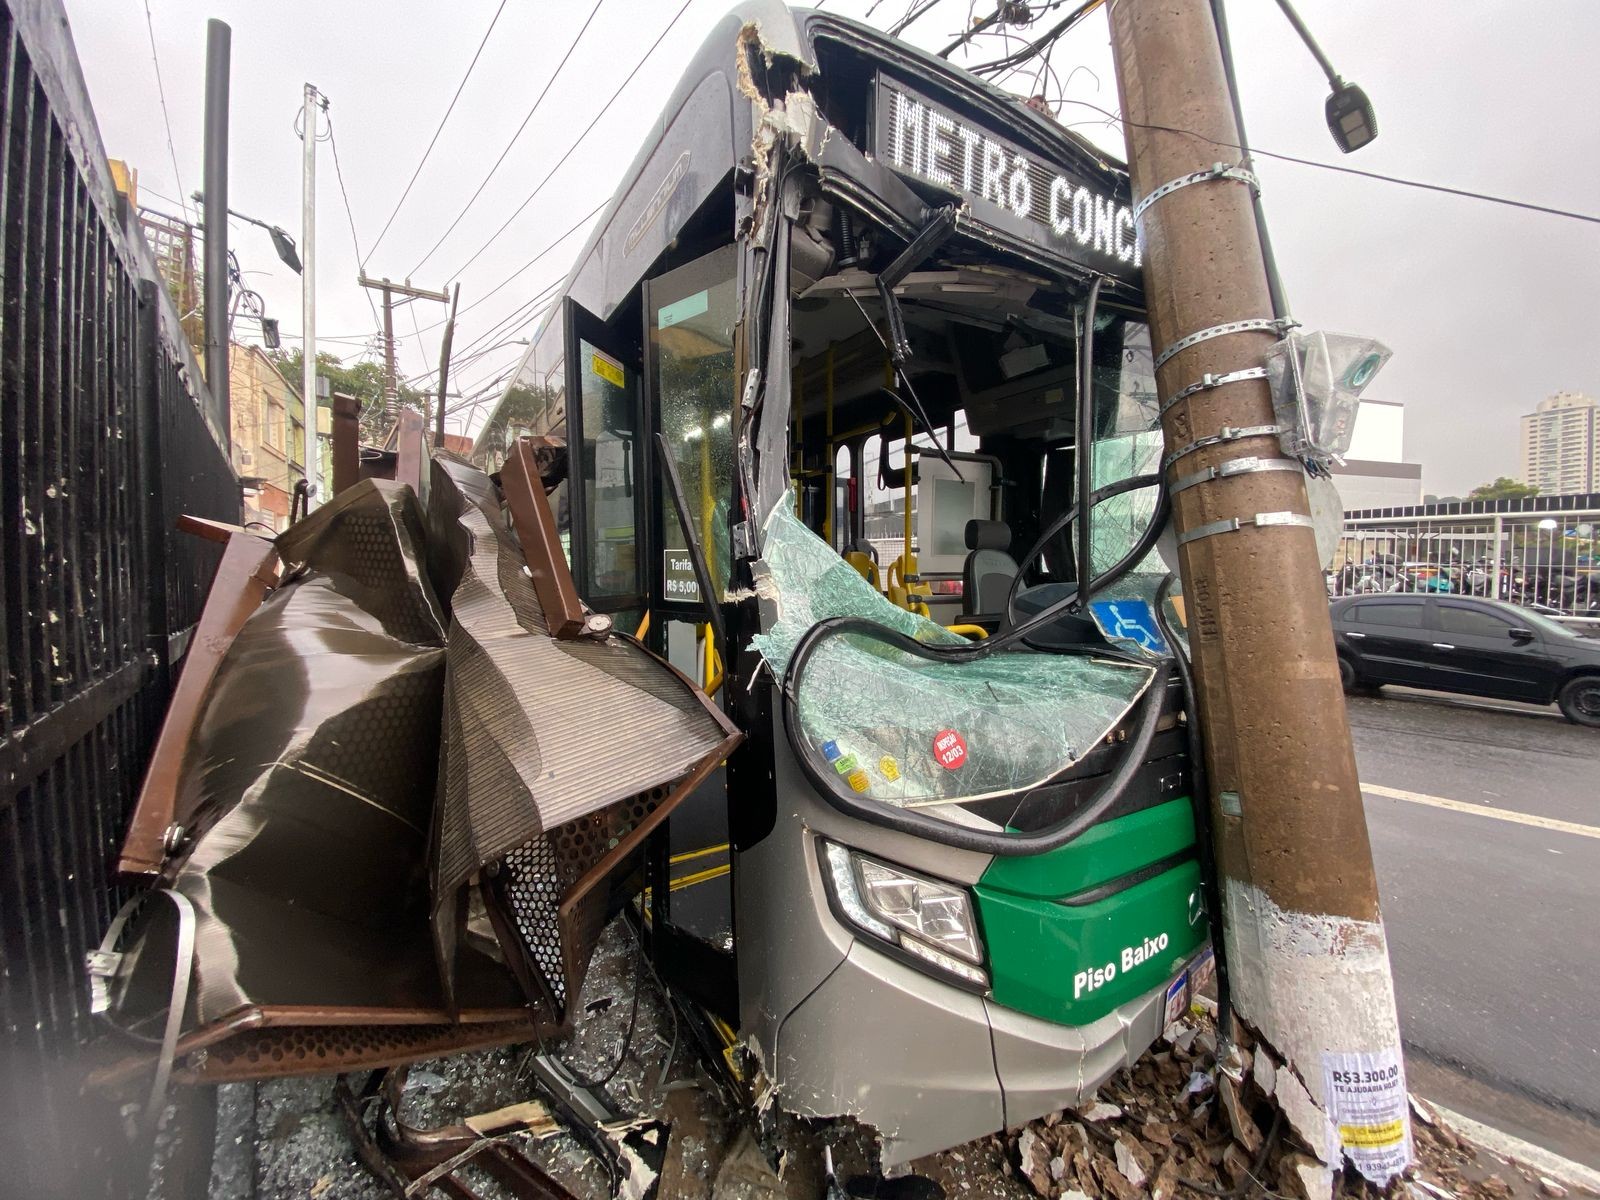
<point>107,434</point>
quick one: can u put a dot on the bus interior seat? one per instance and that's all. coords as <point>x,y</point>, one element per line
<point>862,556</point>
<point>987,573</point>
<point>904,590</point>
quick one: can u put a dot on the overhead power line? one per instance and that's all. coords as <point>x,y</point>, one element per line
<point>434,140</point>
<point>1041,44</point>
<point>548,247</point>
<point>161,91</point>
<point>1467,193</point>
<point>349,215</point>
<point>517,316</point>
<point>915,14</point>
<point>578,141</point>
<point>537,101</point>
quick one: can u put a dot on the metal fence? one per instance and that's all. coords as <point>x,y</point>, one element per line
<point>1540,553</point>
<point>106,434</point>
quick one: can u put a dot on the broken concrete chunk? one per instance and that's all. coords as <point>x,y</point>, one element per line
<point>1309,1179</point>
<point>1158,1132</point>
<point>1166,1181</point>
<point>1239,1121</point>
<point>1084,1171</point>
<point>1133,1160</point>
<point>1183,1036</point>
<point>1302,1113</point>
<point>1551,1188</point>
<point>1116,1184</point>
<point>1265,1071</point>
<point>1235,1162</point>
<point>1100,1111</point>
<point>1033,1156</point>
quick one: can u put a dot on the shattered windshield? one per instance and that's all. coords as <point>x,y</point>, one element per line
<point>912,732</point>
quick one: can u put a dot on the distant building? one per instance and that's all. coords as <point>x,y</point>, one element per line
<point>1560,440</point>
<point>1375,473</point>
<point>267,412</point>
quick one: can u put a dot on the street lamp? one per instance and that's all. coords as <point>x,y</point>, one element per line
<point>281,241</point>
<point>1350,117</point>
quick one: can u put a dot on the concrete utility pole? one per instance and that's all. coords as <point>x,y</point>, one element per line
<point>444,364</point>
<point>1308,966</point>
<point>219,53</point>
<point>391,391</point>
<point>308,275</point>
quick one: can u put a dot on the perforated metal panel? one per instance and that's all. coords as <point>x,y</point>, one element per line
<point>554,750</point>
<point>291,1050</point>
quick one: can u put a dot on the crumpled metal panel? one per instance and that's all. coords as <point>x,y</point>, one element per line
<point>311,777</point>
<point>553,750</point>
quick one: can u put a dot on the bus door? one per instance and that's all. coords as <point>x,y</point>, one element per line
<point>605,449</point>
<point>689,316</point>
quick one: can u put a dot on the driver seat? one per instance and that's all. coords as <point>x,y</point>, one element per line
<point>987,573</point>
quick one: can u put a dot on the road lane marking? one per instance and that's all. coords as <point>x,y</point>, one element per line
<point>1484,810</point>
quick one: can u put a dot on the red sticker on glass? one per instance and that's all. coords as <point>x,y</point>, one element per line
<point>949,749</point>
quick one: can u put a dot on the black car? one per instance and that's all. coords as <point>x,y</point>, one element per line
<point>1458,644</point>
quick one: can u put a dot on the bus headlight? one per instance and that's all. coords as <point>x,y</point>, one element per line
<point>926,919</point>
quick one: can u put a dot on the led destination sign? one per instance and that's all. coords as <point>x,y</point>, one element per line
<point>918,137</point>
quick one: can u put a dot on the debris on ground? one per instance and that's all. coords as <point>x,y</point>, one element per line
<point>1161,1131</point>
<point>1178,1126</point>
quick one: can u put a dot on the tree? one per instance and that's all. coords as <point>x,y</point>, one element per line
<point>1503,489</point>
<point>363,380</point>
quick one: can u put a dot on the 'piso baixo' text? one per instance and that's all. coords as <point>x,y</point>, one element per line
<point>1091,978</point>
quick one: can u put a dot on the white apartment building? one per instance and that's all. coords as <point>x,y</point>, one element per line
<point>1560,441</point>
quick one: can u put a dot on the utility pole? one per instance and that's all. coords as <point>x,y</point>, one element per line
<point>219,53</point>
<point>444,364</point>
<point>308,277</point>
<point>391,392</point>
<point>1307,962</point>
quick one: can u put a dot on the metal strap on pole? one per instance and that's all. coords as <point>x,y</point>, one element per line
<point>1232,524</point>
<point>1229,434</point>
<point>1234,466</point>
<point>1209,381</point>
<point>1266,324</point>
<point>1215,171</point>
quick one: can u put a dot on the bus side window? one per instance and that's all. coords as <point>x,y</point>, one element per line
<point>691,314</point>
<point>607,455</point>
<point>843,519</point>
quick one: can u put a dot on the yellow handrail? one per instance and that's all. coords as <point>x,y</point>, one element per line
<point>971,631</point>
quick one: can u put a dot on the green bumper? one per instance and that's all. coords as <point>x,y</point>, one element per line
<point>1061,950</point>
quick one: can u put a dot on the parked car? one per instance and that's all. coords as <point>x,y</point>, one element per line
<point>1475,647</point>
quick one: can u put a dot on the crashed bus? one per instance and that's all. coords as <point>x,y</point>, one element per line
<point>807,603</point>
<point>860,431</point>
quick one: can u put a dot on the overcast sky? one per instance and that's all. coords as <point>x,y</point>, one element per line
<point>1488,309</point>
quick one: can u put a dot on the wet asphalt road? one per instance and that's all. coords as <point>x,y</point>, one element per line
<point>1493,922</point>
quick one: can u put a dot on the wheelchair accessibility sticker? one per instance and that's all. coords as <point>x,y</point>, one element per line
<point>1129,621</point>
